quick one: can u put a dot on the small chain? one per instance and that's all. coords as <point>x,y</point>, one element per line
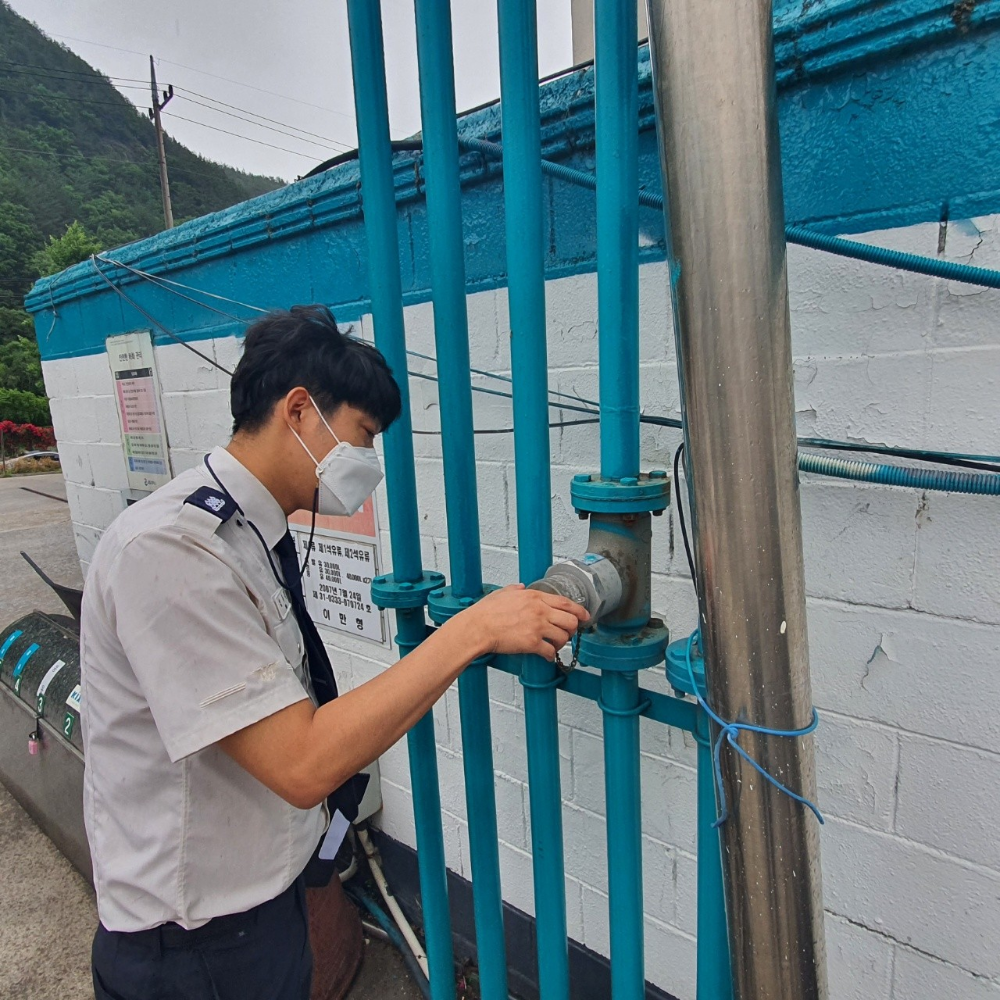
<point>568,668</point>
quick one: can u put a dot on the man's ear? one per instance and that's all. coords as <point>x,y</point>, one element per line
<point>295,407</point>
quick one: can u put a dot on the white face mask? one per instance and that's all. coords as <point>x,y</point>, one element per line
<point>347,475</point>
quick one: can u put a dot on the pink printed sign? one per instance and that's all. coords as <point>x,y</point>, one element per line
<point>137,404</point>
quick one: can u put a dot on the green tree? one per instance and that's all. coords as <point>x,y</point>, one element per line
<point>64,251</point>
<point>21,367</point>
<point>14,323</point>
<point>24,407</point>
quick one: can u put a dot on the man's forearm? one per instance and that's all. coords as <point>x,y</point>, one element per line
<point>347,734</point>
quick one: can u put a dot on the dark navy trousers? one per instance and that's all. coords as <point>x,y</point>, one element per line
<point>262,954</point>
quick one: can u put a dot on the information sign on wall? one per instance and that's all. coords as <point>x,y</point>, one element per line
<point>137,395</point>
<point>337,582</point>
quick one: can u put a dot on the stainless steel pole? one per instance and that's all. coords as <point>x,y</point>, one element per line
<point>713,80</point>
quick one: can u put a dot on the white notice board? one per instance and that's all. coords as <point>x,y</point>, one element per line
<point>337,582</point>
<point>140,415</point>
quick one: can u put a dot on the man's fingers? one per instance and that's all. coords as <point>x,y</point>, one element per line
<point>557,636</point>
<point>565,620</point>
<point>546,650</point>
<point>560,603</point>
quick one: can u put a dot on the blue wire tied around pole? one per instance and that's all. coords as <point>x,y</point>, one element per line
<point>730,732</point>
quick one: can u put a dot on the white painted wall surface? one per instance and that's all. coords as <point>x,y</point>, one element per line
<point>904,610</point>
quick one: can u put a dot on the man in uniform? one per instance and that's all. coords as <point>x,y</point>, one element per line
<point>212,728</point>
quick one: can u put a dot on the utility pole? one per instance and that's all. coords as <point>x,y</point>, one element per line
<point>154,113</point>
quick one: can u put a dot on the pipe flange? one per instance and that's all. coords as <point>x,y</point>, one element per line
<point>442,604</point>
<point>648,493</point>
<point>388,592</point>
<point>678,674</point>
<point>611,649</point>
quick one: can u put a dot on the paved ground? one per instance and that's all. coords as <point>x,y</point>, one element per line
<point>47,911</point>
<point>41,527</point>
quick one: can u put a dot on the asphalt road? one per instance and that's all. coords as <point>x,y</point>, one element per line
<point>47,910</point>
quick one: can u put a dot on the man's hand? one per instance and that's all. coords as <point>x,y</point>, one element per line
<point>515,620</point>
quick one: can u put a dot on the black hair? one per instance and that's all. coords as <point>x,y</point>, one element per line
<point>302,346</point>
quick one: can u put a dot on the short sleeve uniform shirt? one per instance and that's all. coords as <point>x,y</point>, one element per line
<point>187,636</point>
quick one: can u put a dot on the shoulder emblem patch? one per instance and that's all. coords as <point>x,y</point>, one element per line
<point>214,501</point>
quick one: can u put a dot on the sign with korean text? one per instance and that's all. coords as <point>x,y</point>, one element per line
<point>137,396</point>
<point>337,581</point>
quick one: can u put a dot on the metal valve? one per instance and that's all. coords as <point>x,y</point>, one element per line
<point>592,581</point>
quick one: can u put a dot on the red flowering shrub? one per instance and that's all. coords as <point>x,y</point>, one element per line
<point>25,437</point>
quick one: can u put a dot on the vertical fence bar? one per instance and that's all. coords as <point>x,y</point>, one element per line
<point>617,108</point>
<point>378,194</point>
<point>451,331</point>
<point>526,288</point>
<point>715,980</point>
<point>620,704</point>
<point>617,101</point>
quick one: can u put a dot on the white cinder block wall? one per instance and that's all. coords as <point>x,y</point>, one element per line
<point>904,609</point>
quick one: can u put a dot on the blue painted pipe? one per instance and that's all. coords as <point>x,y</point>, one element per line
<point>617,113</point>
<point>421,745</point>
<point>616,83</point>
<point>379,197</point>
<point>715,980</point>
<point>934,267</point>
<point>371,105</point>
<point>451,331</point>
<point>526,291</point>
<point>451,324</point>
<point>620,705</point>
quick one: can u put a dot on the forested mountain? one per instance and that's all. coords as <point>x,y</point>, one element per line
<point>72,149</point>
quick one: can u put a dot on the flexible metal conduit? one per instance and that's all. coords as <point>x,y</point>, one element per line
<point>931,266</point>
<point>368,66</point>
<point>985,483</point>
<point>524,218</point>
<point>717,128</point>
<point>451,333</point>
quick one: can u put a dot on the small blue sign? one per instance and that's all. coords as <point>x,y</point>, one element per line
<point>23,662</point>
<point>10,640</point>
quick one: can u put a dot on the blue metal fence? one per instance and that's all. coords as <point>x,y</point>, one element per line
<point>409,589</point>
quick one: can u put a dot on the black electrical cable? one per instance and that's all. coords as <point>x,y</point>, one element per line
<point>398,146</point>
<point>679,504</point>
<point>593,416</point>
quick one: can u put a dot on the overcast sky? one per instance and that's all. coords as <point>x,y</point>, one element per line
<point>246,54</point>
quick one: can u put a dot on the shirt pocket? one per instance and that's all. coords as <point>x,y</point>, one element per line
<point>285,629</point>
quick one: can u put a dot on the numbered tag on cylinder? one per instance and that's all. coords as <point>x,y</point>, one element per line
<point>34,743</point>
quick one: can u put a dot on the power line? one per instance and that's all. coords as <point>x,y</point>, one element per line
<point>52,70</point>
<point>291,135</point>
<point>52,95</point>
<point>215,76</point>
<point>73,156</point>
<point>100,45</point>
<point>250,86</point>
<point>259,142</point>
<point>132,83</point>
<point>177,165</point>
<point>273,121</point>
<point>46,75</point>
